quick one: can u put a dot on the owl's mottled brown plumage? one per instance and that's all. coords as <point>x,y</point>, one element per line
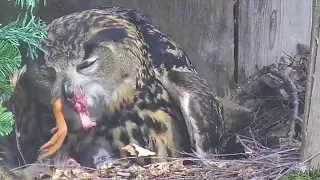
<point>140,87</point>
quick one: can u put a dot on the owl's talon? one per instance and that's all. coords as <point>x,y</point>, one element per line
<point>55,143</point>
<point>60,132</point>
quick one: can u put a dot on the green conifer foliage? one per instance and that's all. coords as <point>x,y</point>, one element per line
<point>26,31</point>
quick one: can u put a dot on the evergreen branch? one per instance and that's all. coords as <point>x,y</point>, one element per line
<point>10,60</point>
<point>6,122</point>
<point>12,36</point>
<point>5,89</point>
<point>27,32</point>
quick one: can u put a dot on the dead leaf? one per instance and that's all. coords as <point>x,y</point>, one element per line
<point>62,174</point>
<point>130,149</point>
<point>58,173</point>
<point>136,150</point>
<point>84,175</point>
<point>159,169</point>
<point>124,174</point>
<point>43,176</point>
<point>165,168</point>
<point>109,165</point>
<point>247,172</point>
<point>219,164</point>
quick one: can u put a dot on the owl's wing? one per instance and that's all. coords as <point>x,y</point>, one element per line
<point>200,106</point>
<point>201,109</point>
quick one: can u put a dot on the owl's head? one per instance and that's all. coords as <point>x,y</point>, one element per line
<point>90,66</point>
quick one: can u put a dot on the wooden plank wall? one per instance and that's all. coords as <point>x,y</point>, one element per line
<point>267,29</point>
<point>219,48</point>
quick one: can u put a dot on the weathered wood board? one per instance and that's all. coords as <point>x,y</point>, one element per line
<point>267,29</point>
<point>310,132</point>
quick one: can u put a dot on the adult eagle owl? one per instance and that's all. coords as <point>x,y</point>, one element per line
<point>122,81</point>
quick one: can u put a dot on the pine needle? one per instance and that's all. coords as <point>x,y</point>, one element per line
<point>6,122</point>
<point>29,33</point>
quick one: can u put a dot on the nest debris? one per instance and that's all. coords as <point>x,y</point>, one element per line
<point>276,94</point>
<point>259,163</point>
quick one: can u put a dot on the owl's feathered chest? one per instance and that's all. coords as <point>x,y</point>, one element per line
<point>132,101</point>
<point>143,113</point>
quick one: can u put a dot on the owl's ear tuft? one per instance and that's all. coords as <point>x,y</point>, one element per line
<point>114,34</point>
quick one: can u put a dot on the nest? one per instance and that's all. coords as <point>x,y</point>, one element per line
<point>276,94</point>
<point>259,163</point>
<point>269,143</point>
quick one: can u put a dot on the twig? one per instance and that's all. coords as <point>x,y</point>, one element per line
<point>288,56</point>
<point>311,157</point>
<point>286,172</point>
<point>243,144</point>
<point>17,138</point>
<point>48,165</point>
<point>252,136</point>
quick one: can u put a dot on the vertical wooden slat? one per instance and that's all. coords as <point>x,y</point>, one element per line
<point>311,124</point>
<point>267,28</point>
<point>203,28</point>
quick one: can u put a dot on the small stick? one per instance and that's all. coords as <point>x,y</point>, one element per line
<point>17,138</point>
